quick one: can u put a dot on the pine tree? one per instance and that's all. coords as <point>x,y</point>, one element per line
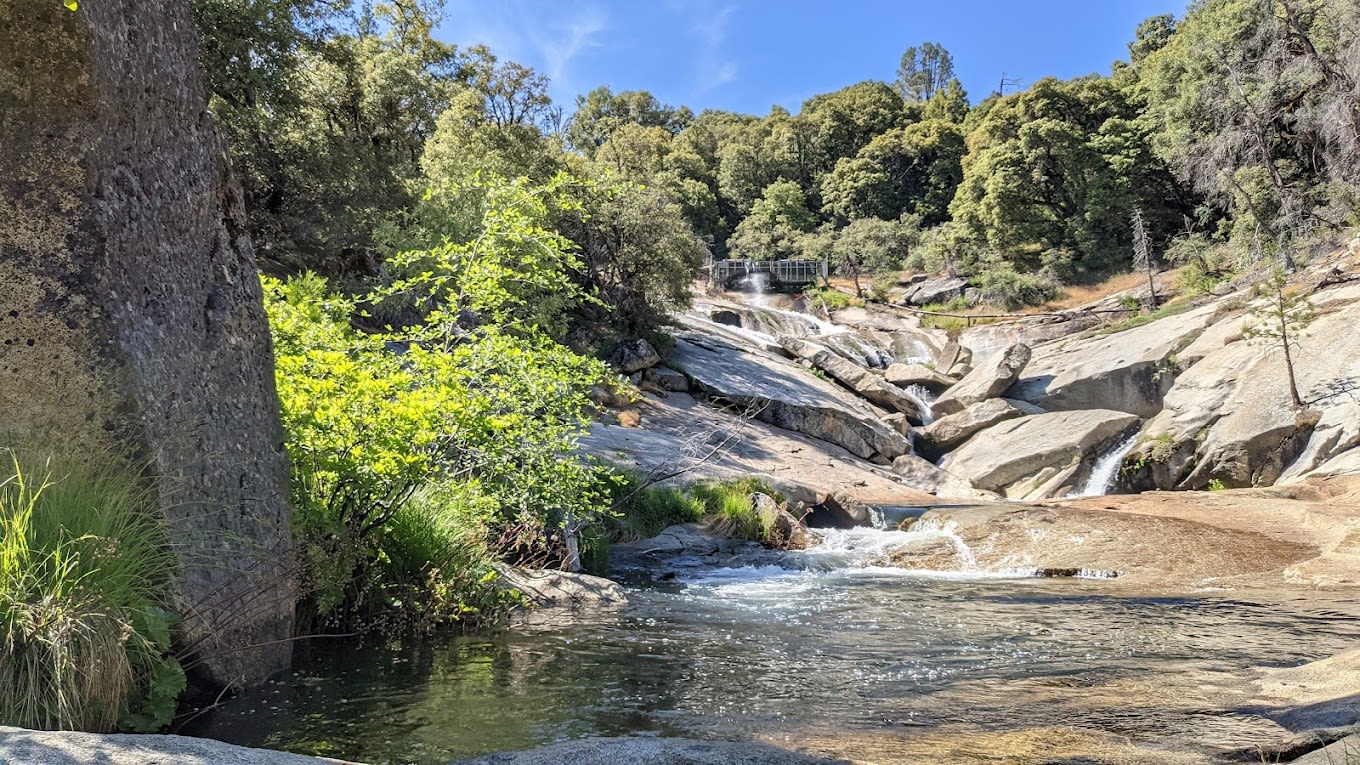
<point>1279,322</point>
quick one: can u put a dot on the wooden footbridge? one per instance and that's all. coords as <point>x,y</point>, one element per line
<point>793,273</point>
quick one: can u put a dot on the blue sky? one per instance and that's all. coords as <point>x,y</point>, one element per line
<point>747,55</point>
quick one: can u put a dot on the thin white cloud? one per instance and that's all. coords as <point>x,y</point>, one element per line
<point>712,27</point>
<point>559,43</point>
<point>714,75</point>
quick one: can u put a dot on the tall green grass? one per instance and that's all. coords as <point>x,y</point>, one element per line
<point>85,573</point>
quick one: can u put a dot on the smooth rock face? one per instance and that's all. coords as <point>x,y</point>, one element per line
<point>989,379</point>
<point>31,747</point>
<point>923,475</point>
<point>952,430</point>
<point>1012,457</point>
<point>853,376</point>
<point>1229,416</point>
<point>903,375</point>
<point>787,396</point>
<point>133,319</point>
<point>1129,371</point>
<point>653,751</point>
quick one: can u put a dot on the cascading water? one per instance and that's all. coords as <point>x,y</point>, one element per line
<point>924,401</point>
<point>1105,470</point>
<point>757,284</point>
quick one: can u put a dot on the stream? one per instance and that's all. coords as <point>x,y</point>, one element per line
<point>826,649</point>
<point>795,648</point>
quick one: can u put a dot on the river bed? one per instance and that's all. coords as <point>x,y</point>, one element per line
<point>799,650</point>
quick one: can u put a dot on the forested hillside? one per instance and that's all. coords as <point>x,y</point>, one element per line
<point>351,125</point>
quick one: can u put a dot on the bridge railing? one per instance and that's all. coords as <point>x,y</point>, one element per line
<point>780,271</point>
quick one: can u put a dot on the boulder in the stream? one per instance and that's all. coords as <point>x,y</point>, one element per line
<point>989,379</point>
<point>856,378</point>
<point>1020,458</point>
<point>919,473</point>
<point>543,588</point>
<point>950,431</point>
<point>903,375</point>
<point>838,512</point>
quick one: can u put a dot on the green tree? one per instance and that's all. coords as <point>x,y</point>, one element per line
<point>601,112</point>
<point>923,72</point>
<point>777,224</point>
<point>1278,322</point>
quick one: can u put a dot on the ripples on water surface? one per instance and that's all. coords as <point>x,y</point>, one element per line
<point>773,653</point>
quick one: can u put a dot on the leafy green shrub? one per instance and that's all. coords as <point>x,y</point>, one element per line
<point>826,298</point>
<point>84,591</point>
<point>1003,286</point>
<point>373,418</point>
<point>645,511</point>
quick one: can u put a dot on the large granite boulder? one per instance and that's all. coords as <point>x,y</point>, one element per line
<point>1129,371</point>
<point>950,431</point>
<point>903,375</point>
<point>940,289</point>
<point>1035,456</point>
<point>634,356</point>
<point>785,395</point>
<point>546,588</point>
<point>855,377</point>
<point>133,320</point>
<point>918,473</point>
<point>989,379</point>
<point>1229,418</point>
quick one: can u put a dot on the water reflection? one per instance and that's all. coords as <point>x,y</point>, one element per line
<point>765,652</point>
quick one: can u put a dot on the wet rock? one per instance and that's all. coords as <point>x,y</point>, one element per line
<point>989,379</point>
<point>835,512</point>
<point>903,375</point>
<point>1168,553</point>
<point>654,751</point>
<point>1012,457</point>
<point>854,377</point>
<point>634,356</point>
<point>952,430</point>
<point>545,588</point>
<point>780,393</point>
<point>786,531</point>
<point>1129,371</point>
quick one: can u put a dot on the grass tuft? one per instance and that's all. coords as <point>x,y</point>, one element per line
<point>84,583</point>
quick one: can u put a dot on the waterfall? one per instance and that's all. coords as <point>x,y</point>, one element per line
<point>758,284</point>
<point>924,399</point>
<point>1106,468</point>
